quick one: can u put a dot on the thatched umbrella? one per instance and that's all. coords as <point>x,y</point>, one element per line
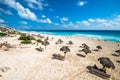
<point>118,51</point>
<point>59,41</point>
<point>106,62</point>
<point>86,50</point>
<point>45,43</point>
<point>85,46</point>
<point>99,47</point>
<point>40,36</point>
<point>70,42</point>
<point>65,49</point>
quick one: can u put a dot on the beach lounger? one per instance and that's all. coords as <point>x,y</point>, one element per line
<point>40,49</point>
<point>99,73</point>
<point>58,56</point>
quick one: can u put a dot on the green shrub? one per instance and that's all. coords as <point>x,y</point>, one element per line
<point>2,34</point>
<point>26,42</point>
<point>24,38</point>
<point>38,40</point>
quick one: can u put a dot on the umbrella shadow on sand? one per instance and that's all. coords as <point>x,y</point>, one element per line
<point>89,68</point>
<point>58,57</point>
<point>115,55</point>
<point>95,67</point>
<point>118,61</point>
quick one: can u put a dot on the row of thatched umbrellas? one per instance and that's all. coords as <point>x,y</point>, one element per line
<point>105,61</point>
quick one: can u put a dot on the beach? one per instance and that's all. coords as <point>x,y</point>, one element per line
<point>26,63</point>
<point>59,39</point>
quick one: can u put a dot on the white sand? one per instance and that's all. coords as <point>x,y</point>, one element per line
<point>26,63</point>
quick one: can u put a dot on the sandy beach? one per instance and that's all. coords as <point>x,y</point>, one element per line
<point>59,39</point>
<point>26,63</point>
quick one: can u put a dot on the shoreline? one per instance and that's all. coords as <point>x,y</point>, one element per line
<point>96,37</point>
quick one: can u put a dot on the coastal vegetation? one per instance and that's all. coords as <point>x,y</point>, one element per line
<point>25,39</point>
<point>37,41</point>
<point>2,34</point>
<point>26,42</point>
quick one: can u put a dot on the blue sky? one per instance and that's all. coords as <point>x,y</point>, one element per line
<point>61,14</point>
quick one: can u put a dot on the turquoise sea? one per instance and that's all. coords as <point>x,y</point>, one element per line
<point>113,36</point>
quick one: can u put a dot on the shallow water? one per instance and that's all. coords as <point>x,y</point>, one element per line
<point>113,36</point>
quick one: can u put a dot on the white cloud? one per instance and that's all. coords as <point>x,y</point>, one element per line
<point>22,12</point>
<point>85,23</point>
<point>91,20</point>
<point>31,6</point>
<point>107,24</point>
<point>36,4</point>
<point>56,24</point>
<point>25,12</point>
<point>23,22</point>
<point>117,18</point>
<point>47,20</point>
<point>43,16</point>
<point>32,1</point>
<point>95,24</point>
<point>6,11</point>
<point>100,20</point>
<point>81,3</point>
<point>71,25</point>
<point>2,21</point>
<point>63,19</point>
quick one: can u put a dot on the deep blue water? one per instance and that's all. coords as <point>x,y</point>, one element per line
<point>113,36</point>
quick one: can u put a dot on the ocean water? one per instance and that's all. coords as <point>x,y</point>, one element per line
<point>113,36</point>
